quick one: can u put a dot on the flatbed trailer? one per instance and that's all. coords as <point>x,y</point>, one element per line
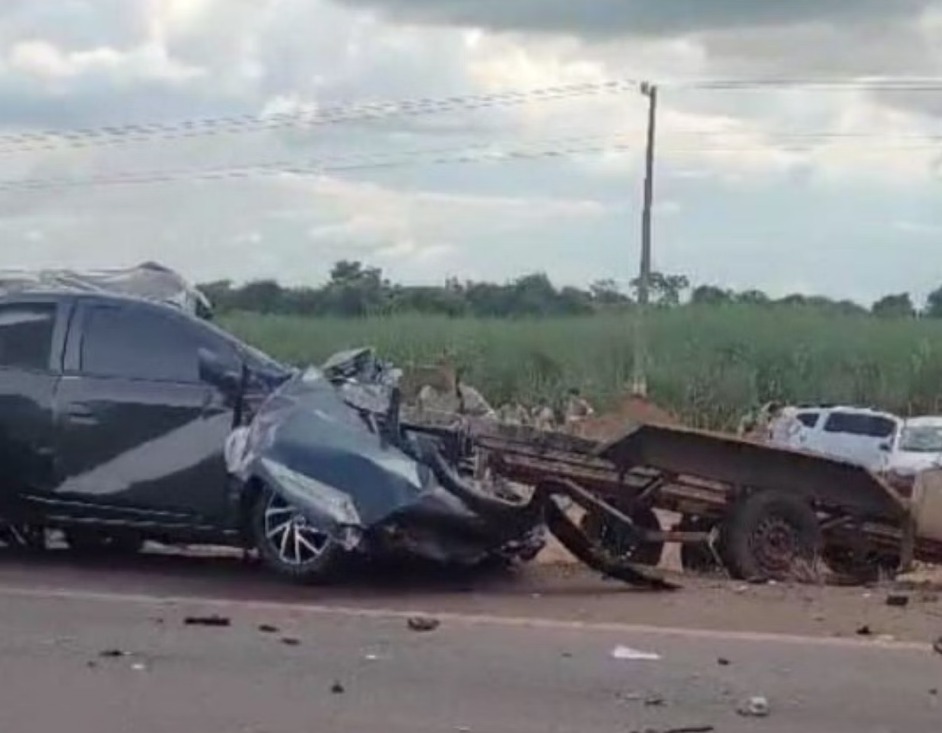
<point>756,510</point>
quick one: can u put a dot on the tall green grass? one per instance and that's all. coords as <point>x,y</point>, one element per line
<point>707,364</point>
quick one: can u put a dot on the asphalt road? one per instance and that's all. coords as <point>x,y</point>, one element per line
<point>476,672</point>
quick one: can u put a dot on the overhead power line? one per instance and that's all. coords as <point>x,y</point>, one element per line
<point>333,114</point>
<point>482,153</point>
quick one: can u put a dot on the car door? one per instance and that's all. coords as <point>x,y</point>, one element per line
<point>141,437</point>
<point>31,344</point>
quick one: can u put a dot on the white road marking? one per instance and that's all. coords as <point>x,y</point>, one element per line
<point>386,614</point>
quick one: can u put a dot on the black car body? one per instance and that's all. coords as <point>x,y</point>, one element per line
<point>123,419</point>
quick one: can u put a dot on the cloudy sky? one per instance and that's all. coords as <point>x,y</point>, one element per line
<point>830,188</point>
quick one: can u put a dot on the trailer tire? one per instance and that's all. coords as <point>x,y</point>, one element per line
<point>606,533</point>
<point>769,535</point>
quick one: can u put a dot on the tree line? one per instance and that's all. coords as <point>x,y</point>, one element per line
<point>357,290</point>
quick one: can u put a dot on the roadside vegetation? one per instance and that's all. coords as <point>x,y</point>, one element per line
<point>708,362</point>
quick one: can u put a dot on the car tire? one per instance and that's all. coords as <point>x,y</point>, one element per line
<point>771,536</point>
<point>288,545</point>
<point>607,533</point>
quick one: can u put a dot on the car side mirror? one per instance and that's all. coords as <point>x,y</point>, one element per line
<point>217,372</point>
<point>885,447</point>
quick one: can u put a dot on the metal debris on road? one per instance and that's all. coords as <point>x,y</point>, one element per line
<point>654,701</point>
<point>723,662</point>
<point>864,631</point>
<point>112,653</point>
<point>937,645</point>
<point>212,620</point>
<point>897,600</point>
<point>754,707</point>
<point>337,688</point>
<point>423,623</point>
<point>627,653</point>
<point>290,641</point>
<point>268,629</point>
<point>139,667</point>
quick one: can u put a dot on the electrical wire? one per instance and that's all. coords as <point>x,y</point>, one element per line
<point>335,114</point>
<point>453,156</point>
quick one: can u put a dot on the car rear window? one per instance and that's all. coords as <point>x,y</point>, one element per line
<point>26,335</point>
<point>137,343</point>
<point>873,426</point>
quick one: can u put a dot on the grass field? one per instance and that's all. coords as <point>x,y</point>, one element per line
<point>707,364</point>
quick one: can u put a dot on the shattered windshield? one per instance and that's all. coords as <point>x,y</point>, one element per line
<point>922,439</point>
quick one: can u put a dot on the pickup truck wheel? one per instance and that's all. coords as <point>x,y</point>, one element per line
<point>609,534</point>
<point>288,544</point>
<point>770,536</point>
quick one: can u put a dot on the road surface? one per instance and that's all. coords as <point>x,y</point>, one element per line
<point>499,661</point>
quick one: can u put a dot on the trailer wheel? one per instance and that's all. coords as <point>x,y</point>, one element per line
<point>770,535</point>
<point>613,539</point>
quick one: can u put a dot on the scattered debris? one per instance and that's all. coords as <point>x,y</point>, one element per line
<point>567,655</point>
<point>268,629</point>
<point>934,691</point>
<point>937,645</point>
<point>754,707</point>
<point>423,623</point>
<point>112,653</point>
<point>654,701</point>
<point>213,620</point>
<point>864,631</point>
<point>897,600</point>
<point>723,662</point>
<point>692,729</point>
<point>630,696</point>
<point>139,667</point>
<point>337,688</point>
<point>627,653</point>
<point>927,597</point>
<point>290,641</point>
<point>740,588</point>
<point>91,664</point>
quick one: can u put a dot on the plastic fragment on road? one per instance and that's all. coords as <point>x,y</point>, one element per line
<point>213,620</point>
<point>897,600</point>
<point>337,689</point>
<point>423,623</point>
<point>754,707</point>
<point>626,653</point>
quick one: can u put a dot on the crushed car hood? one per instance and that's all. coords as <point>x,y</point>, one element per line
<point>331,461</point>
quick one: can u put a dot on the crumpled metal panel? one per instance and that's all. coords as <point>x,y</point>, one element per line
<point>326,458</point>
<point>149,280</point>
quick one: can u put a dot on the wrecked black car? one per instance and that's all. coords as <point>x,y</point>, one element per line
<point>123,420</point>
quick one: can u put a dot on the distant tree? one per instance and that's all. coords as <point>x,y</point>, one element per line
<point>260,296</point>
<point>710,295</point>
<point>606,293</point>
<point>899,305</point>
<point>752,297</point>
<point>933,307</point>
<point>664,290</point>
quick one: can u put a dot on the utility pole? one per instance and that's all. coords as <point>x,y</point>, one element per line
<point>640,380</point>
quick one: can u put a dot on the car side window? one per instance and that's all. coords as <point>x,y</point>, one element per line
<point>808,419</point>
<point>138,343</point>
<point>872,426</point>
<point>26,332</point>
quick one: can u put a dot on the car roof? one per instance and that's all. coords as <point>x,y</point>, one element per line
<point>53,294</point>
<point>924,421</point>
